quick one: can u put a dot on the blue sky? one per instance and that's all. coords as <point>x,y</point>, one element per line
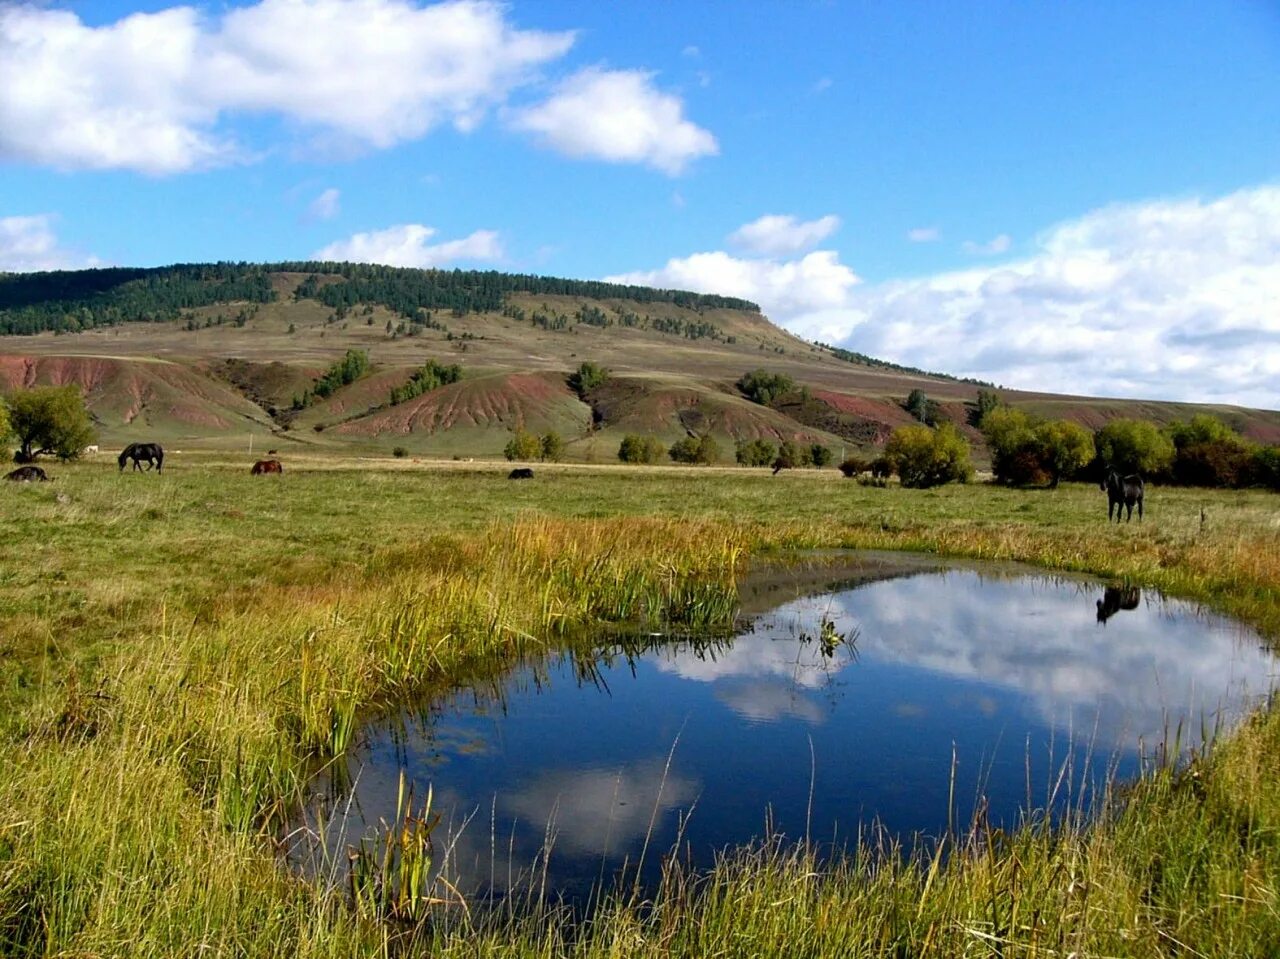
<point>1075,197</point>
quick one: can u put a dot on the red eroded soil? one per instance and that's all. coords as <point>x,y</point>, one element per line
<point>511,401</point>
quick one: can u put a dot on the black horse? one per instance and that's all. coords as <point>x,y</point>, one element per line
<point>1122,494</point>
<point>1116,598</point>
<point>28,474</point>
<point>152,453</point>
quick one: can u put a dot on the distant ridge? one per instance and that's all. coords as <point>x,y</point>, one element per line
<point>71,301</point>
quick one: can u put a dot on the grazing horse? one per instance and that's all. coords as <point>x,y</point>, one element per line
<point>1122,493</point>
<point>1116,598</point>
<point>520,472</point>
<point>263,467</point>
<point>28,474</point>
<point>153,453</point>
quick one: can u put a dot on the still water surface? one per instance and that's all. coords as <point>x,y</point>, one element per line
<point>937,684</point>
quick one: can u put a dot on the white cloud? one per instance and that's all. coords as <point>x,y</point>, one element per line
<point>150,92</point>
<point>617,116</point>
<point>29,244</point>
<point>775,235</point>
<point>325,206</point>
<point>924,234</point>
<point>817,281</point>
<point>822,85</point>
<point>407,245</point>
<point>997,244</point>
<point>1169,299</point>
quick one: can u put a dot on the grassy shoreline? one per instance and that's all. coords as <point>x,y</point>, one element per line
<point>179,649</point>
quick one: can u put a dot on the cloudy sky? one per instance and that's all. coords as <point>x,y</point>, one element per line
<point>1076,197</point>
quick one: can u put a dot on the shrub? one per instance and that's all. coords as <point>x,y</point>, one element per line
<point>399,452</point>
<point>853,465</point>
<point>1207,452</point>
<point>924,457</point>
<point>820,455</point>
<point>757,452</point>
<point>524,446</point>
<point>587,377</point>
<point>1026,450</point>
<point>764,388</point>
<point>1222,463</point>
<point>641,449</point>
<point>1265,468</point>
<point>430,376</point>
<point>1133,446</point>
<point>552,446</point>
<point>703,450</point>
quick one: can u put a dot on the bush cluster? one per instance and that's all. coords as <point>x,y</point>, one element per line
<point>641,449</point>
<point>702,450</point>
<point>924,457</point>
<point>526,447</point>
<point>1027,451</point>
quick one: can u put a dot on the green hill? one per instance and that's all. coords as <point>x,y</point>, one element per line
<point>205,354</point>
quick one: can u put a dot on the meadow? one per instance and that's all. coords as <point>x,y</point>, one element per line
<point>180,652</point>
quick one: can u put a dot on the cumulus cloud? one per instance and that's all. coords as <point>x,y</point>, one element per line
<point>997,244</point>
<point>775,235</point>
<point>408,245</point>
<point>150,92</point>
<point>325,206</point>
<point>1168,299</point>
<point>29,244</point>
<point>814,282</point>
<point>924,234</point>
<point>618,116</point>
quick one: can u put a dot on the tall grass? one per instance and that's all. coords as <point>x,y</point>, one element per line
<point>162,729</point>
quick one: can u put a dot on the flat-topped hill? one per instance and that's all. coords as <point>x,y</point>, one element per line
<point>207,354</point>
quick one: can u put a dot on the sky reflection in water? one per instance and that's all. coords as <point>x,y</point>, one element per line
<point>1013,675</point>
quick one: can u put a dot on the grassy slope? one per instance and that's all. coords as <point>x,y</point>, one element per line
<point>272,365</point>
<point>175,647</point>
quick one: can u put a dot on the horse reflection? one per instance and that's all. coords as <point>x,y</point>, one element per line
<point>1116,598</point>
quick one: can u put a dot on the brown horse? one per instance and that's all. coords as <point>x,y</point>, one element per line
<point>28,474</point>
<point>263,467</point>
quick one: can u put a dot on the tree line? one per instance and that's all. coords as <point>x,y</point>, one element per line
<point>74,300</point>
<point>69,301</point>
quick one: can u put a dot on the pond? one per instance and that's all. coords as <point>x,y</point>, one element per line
<point>864,689</point>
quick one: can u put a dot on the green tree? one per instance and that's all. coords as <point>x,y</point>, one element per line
<point>921,407</point>
<point>692,449</point>
<point>1208,452</point>
<point>757,452</point>
<point>49,420</point>
<point>552,446</point>
<point>1064,447</point>
<point>924,457</point>
<point>641,449</point>
<point>524,446</point>
<point>988,400</point>
<point>587,377</point>
<point>792,455</point>
<point>765,388</point>
<point>4,421</point>
<point>1265,469</point>
<point>1201,428</point>
<point>1133,446</point>
<point>820,455</point>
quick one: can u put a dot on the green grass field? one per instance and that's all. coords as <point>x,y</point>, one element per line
<point>178,651</point>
